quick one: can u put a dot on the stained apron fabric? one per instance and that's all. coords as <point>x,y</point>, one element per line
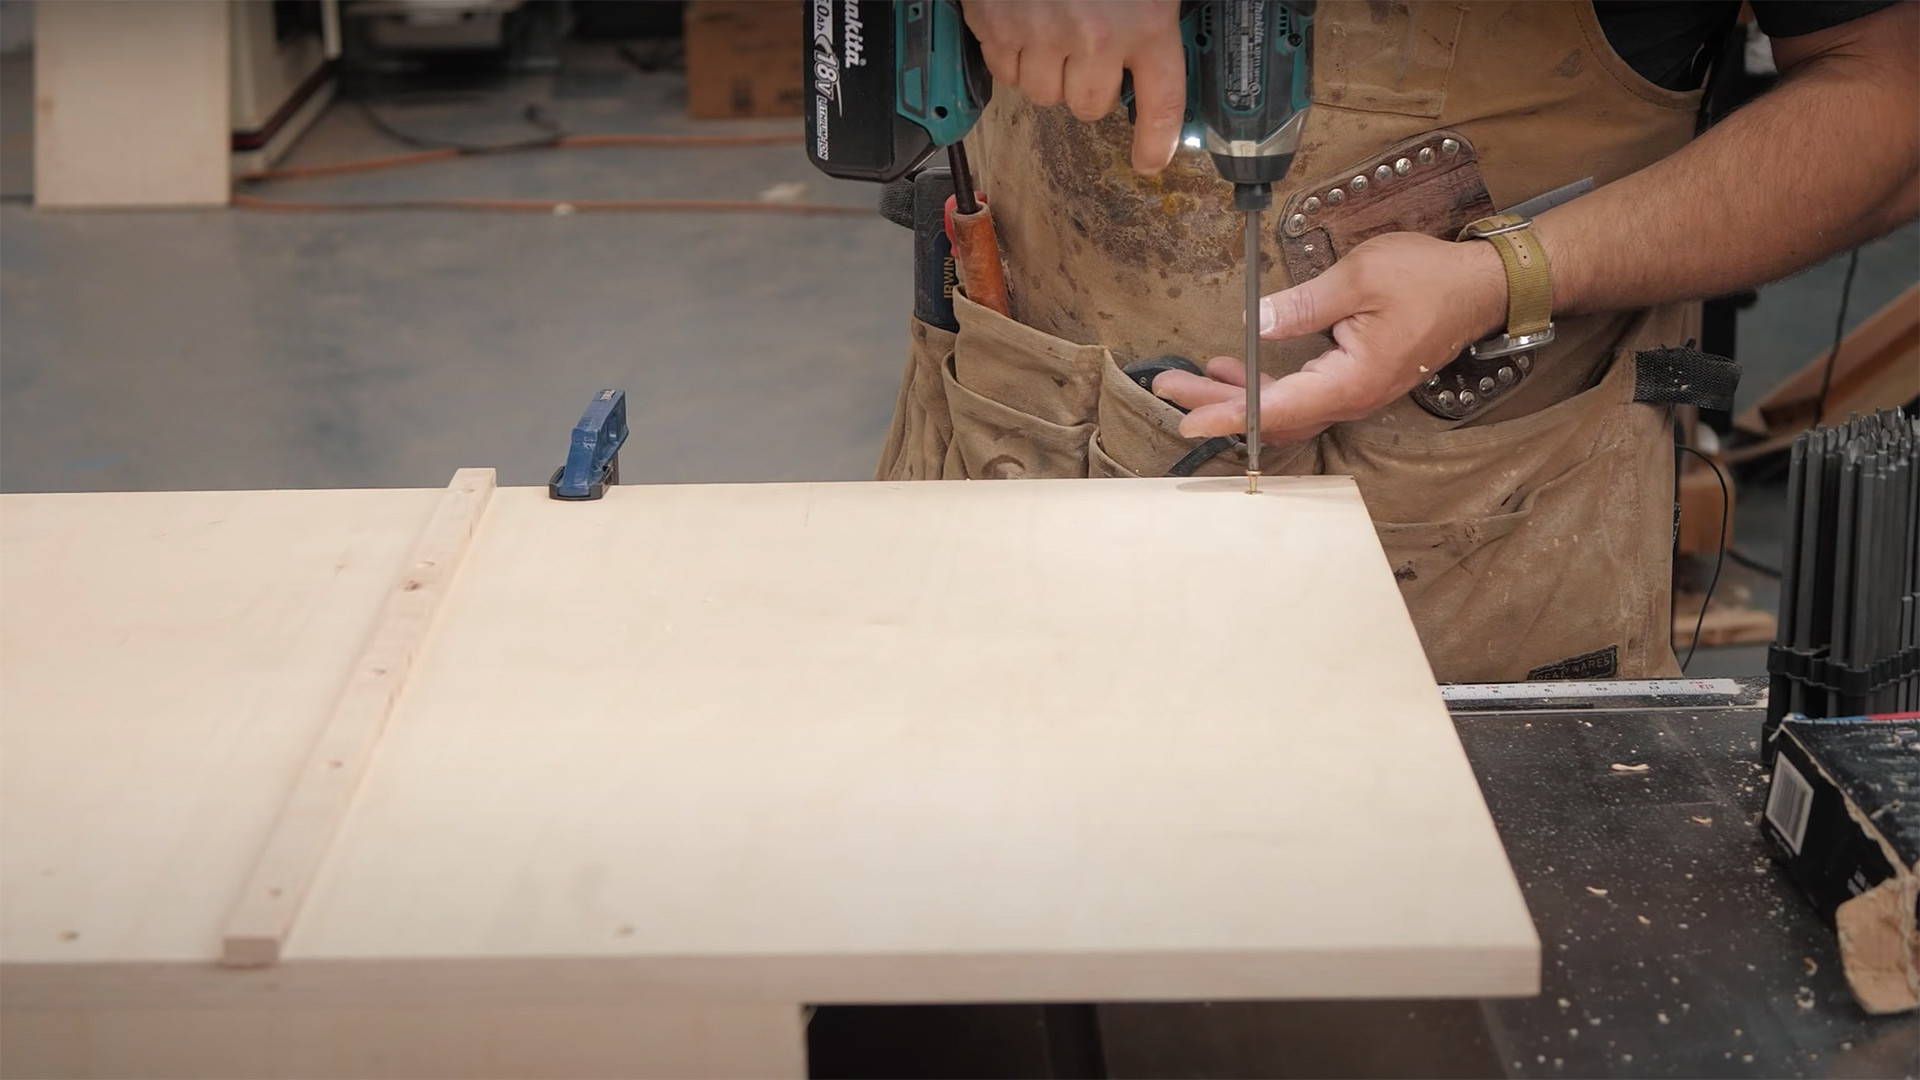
<point>1533,539</point>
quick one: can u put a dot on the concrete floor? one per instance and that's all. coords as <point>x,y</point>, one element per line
<point>242,349</point>
<point>239,349</point>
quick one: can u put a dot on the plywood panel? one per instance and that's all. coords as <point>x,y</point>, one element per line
<point>1009,741</point>
<point>165,659</point>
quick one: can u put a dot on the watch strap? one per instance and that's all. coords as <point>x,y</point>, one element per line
<point>1529,287</point>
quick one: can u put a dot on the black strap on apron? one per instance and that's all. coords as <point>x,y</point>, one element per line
<point>1683,375</point>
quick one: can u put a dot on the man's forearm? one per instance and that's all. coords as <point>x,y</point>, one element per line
<point>1824,161</point>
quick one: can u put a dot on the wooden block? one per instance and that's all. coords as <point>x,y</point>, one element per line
<point>266,908</point>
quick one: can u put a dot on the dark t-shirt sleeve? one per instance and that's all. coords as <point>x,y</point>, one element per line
<point>1671,42</point>
<point>1791,18</point>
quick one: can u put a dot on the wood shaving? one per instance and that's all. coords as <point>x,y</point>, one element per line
<point>1698,820</point>
<point>1596,892</point>
<point>1618,767</point>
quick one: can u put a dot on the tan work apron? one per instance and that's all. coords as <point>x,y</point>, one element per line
<point>1530,540</point>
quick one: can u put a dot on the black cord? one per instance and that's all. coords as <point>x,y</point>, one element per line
<point>533,114</point>
<point>1839,330</point>
<point>1719,557</point>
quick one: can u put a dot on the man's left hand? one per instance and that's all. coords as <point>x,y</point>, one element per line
<point>1400,307</point>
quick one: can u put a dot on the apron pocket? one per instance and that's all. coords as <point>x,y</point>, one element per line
<point>1027,370</point>
<point>992,441</point>
<point>1021,401</point>
<point>1101,464</point>
<point>916,445</point>
<point>1385,57</point>
<point>1140,433</point>
<point>1494,597</point>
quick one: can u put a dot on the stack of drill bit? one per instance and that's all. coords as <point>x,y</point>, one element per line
<point>1849,637</point>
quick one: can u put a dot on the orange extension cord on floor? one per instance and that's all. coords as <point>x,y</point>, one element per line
<point>534,206</point>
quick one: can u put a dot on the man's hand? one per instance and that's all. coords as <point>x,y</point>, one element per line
<point>1400,306</point>
<point>1075,50</point>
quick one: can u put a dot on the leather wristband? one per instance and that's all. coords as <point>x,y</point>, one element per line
<point>1529,288</point>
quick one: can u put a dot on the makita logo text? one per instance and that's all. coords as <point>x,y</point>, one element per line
<point>856,55</point>
<point>826,76</point>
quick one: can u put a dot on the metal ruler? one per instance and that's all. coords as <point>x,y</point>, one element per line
<point>1604,695</point>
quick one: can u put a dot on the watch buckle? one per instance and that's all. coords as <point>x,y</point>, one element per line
<point>1508,344</point>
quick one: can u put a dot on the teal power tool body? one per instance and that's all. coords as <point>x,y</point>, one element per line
<point>890,82</point>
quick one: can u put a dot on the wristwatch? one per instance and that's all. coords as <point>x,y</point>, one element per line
<point>1529,291</point>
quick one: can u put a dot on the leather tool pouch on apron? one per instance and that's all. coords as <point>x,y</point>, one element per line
<point>1001,400</point>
